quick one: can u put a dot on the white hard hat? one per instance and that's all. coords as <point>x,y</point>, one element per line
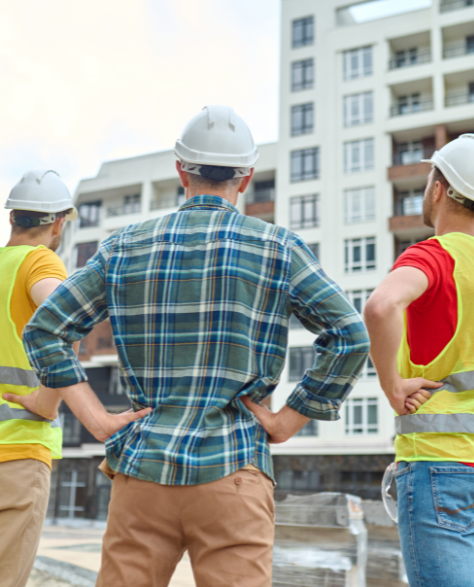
<point>218,137</point>
<point>41,190</point>
<point>456,162</point>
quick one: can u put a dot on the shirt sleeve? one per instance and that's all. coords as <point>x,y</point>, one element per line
<point>42,264</point>
<point>342,344</point>
<point>426,256</point>
<point>66,316</point>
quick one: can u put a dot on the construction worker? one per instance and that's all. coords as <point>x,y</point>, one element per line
<point>199,302</point>
<point>424,311</point>
<point>30,271</point>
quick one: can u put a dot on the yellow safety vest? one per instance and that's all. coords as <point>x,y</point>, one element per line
<point>17,425</point>
<point>443,428</point>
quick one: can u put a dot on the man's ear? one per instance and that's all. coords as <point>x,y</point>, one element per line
<point>245,181</point>
<point>58,225</point>
<point>438,192</point>
<point>11,217</point>
<point>183,176</point>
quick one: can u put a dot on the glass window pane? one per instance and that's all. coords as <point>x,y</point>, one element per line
<point>372,416</point>
<point>357,415</point>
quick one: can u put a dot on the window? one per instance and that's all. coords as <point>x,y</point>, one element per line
<point>359,205</point>
<point>358,298</point>
<point>470,90</point>
<point>359,156</point>
<point>357,63</point>
<point>301,119</point>
<point>180,196</point>
<point>72,493</point>
<point>84,251</point>
<point>358,109</point>
<point>115,385</point>
<point>103,487</point>
<point>406,57</point>
<point>264,191</point>
<point>131,204</point>
<point>369,371</point>
<point>302,75</point>
<point>305,164</point>
<point>309,429</point>
<point>291,480</point>
<point>303,31</point>
<point>402,246</point>
<point>301,359</point>
<point>360,255</point>
<point>71,429</point>
<point>470,44</point>
<point>409,103</point>
<point>304,211</point>
<point>314,248</point>
<point>89,214</point>
<point>409,203</point>
<point>362,416</point>
<point>409,153</point>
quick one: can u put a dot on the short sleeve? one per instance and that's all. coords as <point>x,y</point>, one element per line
<point>42,264</point>
<point>427,256</point>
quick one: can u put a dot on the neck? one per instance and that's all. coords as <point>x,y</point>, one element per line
<point>231,197</point>
<point>444,224</point>
<point>17,240</point>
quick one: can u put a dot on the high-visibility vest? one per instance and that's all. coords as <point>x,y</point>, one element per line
<point>443,428</point>
<point>18,425</point>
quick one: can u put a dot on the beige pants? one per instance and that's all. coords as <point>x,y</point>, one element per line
<point>226,526</point>
<point>24,493</point>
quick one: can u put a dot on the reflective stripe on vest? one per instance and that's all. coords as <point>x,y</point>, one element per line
<point>16,376</point>
<point>461,423</point>
<point>457,382</point>
<point>8,413</point>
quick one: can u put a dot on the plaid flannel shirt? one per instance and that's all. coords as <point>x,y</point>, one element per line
<point>199,303</point>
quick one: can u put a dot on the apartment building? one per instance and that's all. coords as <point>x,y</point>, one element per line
<point>362,100</point>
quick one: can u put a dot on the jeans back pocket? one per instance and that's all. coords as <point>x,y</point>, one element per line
<point>453,496</point>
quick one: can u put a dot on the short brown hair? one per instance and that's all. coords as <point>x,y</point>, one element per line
<point>453,205</point>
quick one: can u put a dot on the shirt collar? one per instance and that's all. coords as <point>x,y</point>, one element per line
<point>206,201</point>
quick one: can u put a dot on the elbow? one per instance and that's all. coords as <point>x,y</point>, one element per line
<point>377,309</point>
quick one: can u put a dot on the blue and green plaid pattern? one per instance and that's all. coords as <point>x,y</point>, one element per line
<point>199,302</point>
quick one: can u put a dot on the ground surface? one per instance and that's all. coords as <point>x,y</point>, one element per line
<point>78,550</point>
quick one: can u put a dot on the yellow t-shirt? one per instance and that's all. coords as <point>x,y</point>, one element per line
<point>39,264</point>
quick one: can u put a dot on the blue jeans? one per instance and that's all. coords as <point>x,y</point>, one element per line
<point>436,523</point>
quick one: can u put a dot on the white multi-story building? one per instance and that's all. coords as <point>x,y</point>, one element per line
<point>361,102</point>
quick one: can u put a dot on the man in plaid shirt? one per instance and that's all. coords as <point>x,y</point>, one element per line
<point>199,302</point>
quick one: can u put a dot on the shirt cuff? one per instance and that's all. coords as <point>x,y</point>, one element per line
<point>313,406</point>
<point>63,374</point>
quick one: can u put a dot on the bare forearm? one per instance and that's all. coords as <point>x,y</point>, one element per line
<point>87,408</point>
<point>386,331</point>
<point>47,402</point>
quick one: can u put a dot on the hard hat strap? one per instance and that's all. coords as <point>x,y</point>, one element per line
<point>31,222</point>
<point>466,202</point>
<point>196,169</point>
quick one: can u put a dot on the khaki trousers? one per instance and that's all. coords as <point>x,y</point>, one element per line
<point>226,526</point>
<point>24,493</point>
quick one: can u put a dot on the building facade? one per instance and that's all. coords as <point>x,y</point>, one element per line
<point>361,102</point>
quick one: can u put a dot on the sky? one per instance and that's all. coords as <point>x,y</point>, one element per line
<point>84,82</point>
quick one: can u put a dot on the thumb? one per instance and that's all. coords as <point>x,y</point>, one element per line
<point>258,410</point>
<point>16,399</point>
<point>431,384</point>
<point>133,416</point>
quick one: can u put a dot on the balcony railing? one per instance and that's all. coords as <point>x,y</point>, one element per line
<point>411,157</point>
<point>267,195</point>
<point>421,56</point>
<point>164,203</point>
<point>458,98</point>
<point>411,108</point>
<point>463,47</point>
<point>410,206</point>
<point>448,5</point>
<point>133,208</point>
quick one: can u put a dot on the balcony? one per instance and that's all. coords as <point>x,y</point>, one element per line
<point>260,202</point>
<point>459,48</point>
<point>460,97</point>
<point>410,57</point>
<point>411,105</point>
<point>125,209</point>
<point>407,220</point>
<point>448,5</point>
<point>164,203</point>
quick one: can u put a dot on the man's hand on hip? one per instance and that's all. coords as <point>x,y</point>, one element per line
<point>44,402</point>
<point>279,426</point>
<point>411,394</point>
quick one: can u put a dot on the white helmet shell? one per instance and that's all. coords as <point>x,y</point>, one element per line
<point>41,190</point>
<point>217,136</point>
<point>456,162</point>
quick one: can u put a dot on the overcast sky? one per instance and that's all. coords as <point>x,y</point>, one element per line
<point>88,81</point>
<point>84,82</point>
